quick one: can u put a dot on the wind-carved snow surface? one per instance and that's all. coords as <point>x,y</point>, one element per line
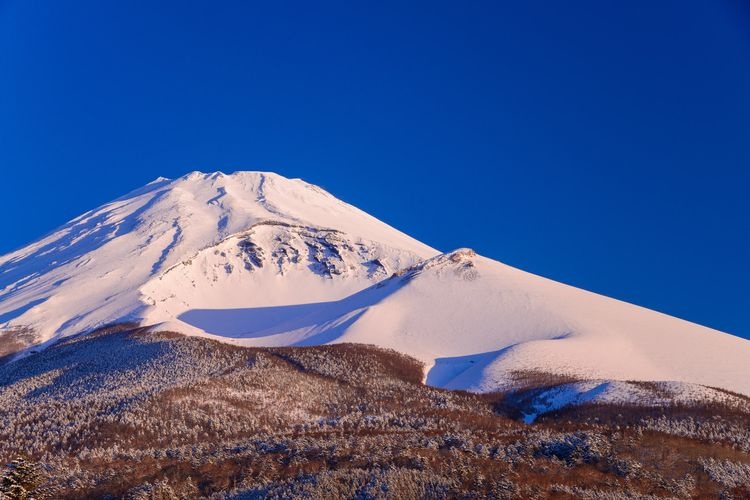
<point>260,260</point>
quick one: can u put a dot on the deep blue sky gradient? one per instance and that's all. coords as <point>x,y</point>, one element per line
<point>603,145</point>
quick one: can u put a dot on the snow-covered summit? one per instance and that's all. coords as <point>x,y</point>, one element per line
<point>89,271</point>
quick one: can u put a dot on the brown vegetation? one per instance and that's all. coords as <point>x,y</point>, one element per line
<point>14,340</point>
<point>129,414</point>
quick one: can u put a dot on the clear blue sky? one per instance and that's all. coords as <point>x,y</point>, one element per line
<point>603,144</point>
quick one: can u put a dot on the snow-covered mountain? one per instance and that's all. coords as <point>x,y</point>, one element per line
<point>131,259</point>
<point>257,259</point>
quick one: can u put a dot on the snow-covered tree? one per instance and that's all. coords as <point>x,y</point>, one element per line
<point>20,480</point>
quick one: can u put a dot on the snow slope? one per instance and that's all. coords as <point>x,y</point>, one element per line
<point>256,259</point>
<point>479,324</point>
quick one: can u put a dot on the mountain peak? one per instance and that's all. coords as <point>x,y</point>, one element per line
<point>90,271</point>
